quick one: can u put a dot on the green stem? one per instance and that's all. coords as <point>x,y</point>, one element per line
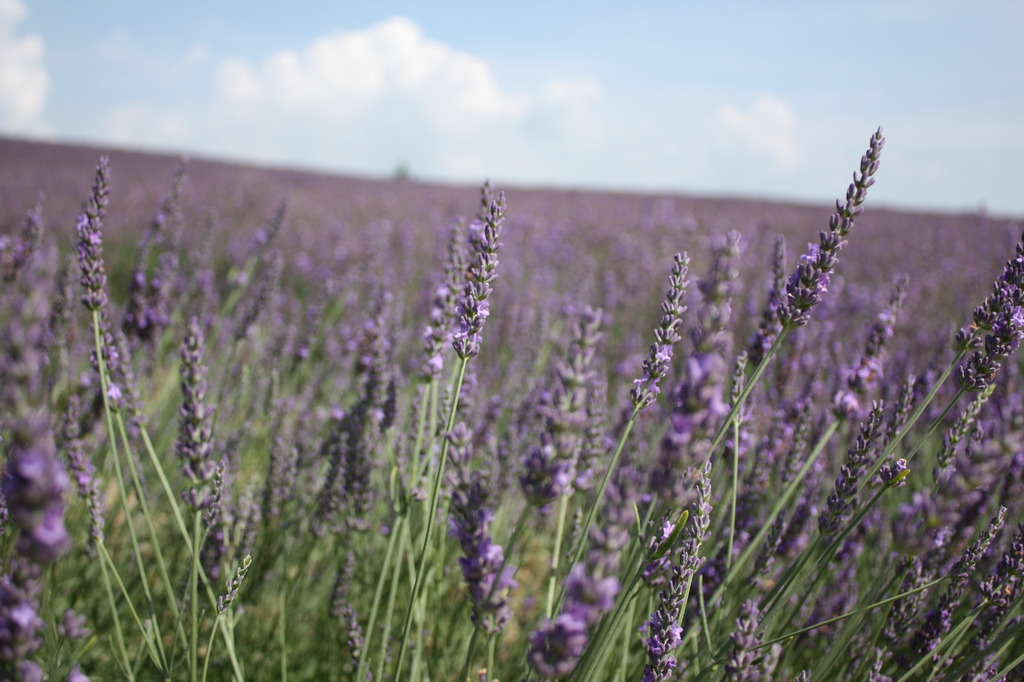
<point>396,532</point>
<point>282,633</point>
<point>197,520</point>
<point>392,596</point>
<point>429,522</point>
<point>585,529</point>
<point>735,488</point>
<point>157,650</point>
<point>563,507</point>
<point>118,632</point>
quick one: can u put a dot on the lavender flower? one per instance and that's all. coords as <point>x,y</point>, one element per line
<point>473,308</point>
<point>89,227</point>
<point>193,445</point>
<point>234,584</point>
<point>1001,590</point>
<point>939,620</point>
<point>743,665</point>
<point>14,257</point>
<point>442,312</point>
<point>556,646</point>
<point>35,482</point>
<point>645,389</point>
<point>72,626</point>
<point>770,325</point>
<point>551,467</point>
<point>347,494</point>
<point>665,626</point>
<point>1002,315</point>
<point>960,429</point>
<point>697,401</point>
<point>665,633</point>
<point>844,498</point>
<point>20,625</point>
<point>489,584</point>
<point>809,282</point>
<point>863,376</point>
<point>34,488</point>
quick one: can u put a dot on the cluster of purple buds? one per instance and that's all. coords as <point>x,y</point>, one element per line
<point>1001,590</point>
<point>745,663</point>
<point>550,469</point>
<point>1002,316</point>
<point>20,624</point>
<point>438,333</point>
<point>697,411</point>
<point>809,282</point>
<point>862,378</point>
<point>661,544</point>
<point>844,497</point>
<point>664,633</point>
<point>488,579</point>
<point>940,618</point>
<point>89,227</point>
<point>473,308</point>
<point>645,389</point>
<point>14,256</point>
<point>193,445</point>
<point>34,489</point>
<point>770,326</point>
<point>34,486</point>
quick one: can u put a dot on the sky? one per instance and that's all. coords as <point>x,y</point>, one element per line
<point>731,98</point>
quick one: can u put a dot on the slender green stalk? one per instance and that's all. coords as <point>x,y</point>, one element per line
<point>627,640</point>
<point>131,607</point>
<point>556,551</point>
<point>429,520</point>
<point>585,529</point>
<point>197,521</point>
<point>118,632</point>
<point>703,614</point>
<point>282,633</point>
<point>209,647</point>
<point>396,532</point>
<point>147,516</point>
<point>735,491</point>
<point>159,658</point>
<point>389,612</point>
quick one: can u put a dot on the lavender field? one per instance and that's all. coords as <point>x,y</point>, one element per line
<point>265,424</point>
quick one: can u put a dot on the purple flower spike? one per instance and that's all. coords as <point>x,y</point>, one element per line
<point>809,282</point>
<point>90,242</point>
<point>557,645</point>
<point>473,309</point>
<point>645,389</point>
<point>194,436</point>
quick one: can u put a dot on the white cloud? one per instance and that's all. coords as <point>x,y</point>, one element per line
<point>347,72</point>
<point>24,81</point>
<point>369,98</point>
<point>767,126</point>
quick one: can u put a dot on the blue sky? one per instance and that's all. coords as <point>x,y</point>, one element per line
<point>729,98</point>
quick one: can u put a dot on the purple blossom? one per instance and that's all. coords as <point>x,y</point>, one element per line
<point>193,446</point>
<point>555,647</point>
<point>646,389</point>
<point>809,282</point>
<point>482,562</point>
<point>89,226</point>
<point>473,309</point>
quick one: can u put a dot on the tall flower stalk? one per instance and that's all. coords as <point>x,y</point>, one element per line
<point>473,310</point>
